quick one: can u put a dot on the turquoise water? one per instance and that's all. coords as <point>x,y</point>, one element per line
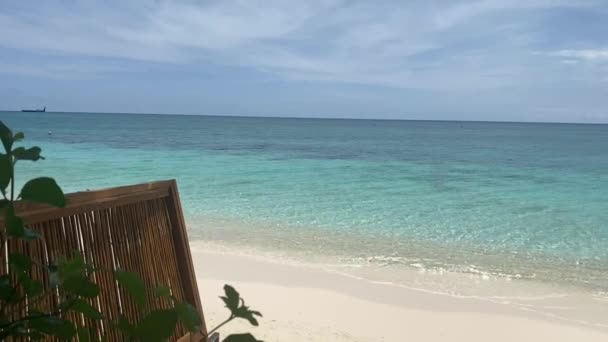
<point>508,198</point>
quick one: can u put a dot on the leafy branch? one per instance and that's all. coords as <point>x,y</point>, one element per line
<point>69,278</point>
<point>237,308</point>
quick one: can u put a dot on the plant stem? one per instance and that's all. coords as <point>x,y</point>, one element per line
<point>3,242</point>
<point>12,183</point>
<point>220,325</point>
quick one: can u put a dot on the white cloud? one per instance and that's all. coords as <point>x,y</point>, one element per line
<point>584,54</point>
<point>444,45</point>
<point>569,61</point>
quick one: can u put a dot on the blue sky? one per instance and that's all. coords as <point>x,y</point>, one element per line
<point>532,60</point>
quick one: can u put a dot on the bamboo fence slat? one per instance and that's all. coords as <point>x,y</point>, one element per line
<point>138,228</point>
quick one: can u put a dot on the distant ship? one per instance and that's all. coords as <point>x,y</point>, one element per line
<point>35,110</point>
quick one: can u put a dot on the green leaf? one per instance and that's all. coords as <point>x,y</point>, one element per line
<point>237,307</point>
<point>19,262</point>
<point>43,190</point>
<point>188,315</point>
<point>7,291</point>
<point>14,224</point>
<point>232,298</point>
<point>241,338</point>
<point>6,167</point>
<point>18,136</point>
<point>72,275</point>
<point>125,327</point>
<point>6,136</point>
<point>54,326</point>
<point>32,153</point>
<point>32,287</point>
<point>81,286</point>
<point>133,284</point>
<point>157,326</point>
<point>162,291</point>
<point>244,312</point>
<point>83,334</point>
<point>73,267</point>
<point>19,330</point>
<point>80,305</point>
<point>35,336</point>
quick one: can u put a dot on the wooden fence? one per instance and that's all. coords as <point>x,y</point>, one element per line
<point>138,228</point>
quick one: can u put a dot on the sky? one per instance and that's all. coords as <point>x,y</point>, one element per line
<point>505,60</point>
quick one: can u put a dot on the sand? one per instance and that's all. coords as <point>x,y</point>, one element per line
<point>305,303</point>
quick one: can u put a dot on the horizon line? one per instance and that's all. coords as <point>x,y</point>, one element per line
<point>312,117</point>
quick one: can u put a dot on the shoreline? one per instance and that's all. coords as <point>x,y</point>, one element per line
<point>303,300</point>
<point>408,260</point>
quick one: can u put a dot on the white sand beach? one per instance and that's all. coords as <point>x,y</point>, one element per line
<point>302,303</point>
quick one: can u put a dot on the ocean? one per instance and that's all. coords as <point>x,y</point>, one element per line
<point>488,200</point>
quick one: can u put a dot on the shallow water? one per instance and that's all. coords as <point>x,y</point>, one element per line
<point>512,200</point>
